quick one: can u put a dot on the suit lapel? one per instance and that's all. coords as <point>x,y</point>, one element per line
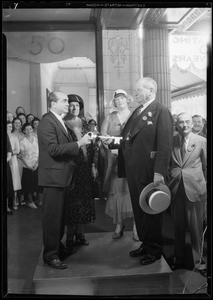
<point>190,148</point>
<point>176,148</point>
<point>60,125</point>
<point>141,121</point>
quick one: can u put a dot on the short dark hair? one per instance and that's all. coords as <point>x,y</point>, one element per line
<point>52,98</point>
<point>197,116</point>
<point>35,119</point>
<point>21,114</point>
<point>25,125</point>
<point>18,108</point>
<point>29,115</point>
<point>16,118</point>
<point>92,120</point>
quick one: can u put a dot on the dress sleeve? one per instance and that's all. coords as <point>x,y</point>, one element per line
<point>9,147</point>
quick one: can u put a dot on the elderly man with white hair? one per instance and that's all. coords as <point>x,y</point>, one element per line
<point>146,149</point>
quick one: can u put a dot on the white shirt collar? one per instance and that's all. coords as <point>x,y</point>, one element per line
<point>57,115</point>
<point>60,119</point>
<point>148,103</point>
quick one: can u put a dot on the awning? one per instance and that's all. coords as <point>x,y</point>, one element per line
<point>187,83</point>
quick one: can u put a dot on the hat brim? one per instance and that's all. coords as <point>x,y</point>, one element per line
<point>143,202</point>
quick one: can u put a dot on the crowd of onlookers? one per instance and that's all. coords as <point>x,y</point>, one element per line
<point>23,189</point>
<point>199,124</point>
<point>22,133</point>
<point>23,157</point>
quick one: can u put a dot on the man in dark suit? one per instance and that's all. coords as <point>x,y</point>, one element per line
<point>55,170</point>
<point>146,149</point>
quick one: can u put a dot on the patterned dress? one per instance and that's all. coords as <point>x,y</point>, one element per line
<point>80,204</point>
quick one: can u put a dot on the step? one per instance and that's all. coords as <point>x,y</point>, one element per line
<point>104,267</point>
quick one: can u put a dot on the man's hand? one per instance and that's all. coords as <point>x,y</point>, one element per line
<point>158,179</point>
<point>107,141</point>
<point>85,140</point>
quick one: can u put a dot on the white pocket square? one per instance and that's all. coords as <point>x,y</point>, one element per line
<point>152,154</point>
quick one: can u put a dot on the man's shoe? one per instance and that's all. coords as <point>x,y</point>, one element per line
<point>149,259</point>
<point>177,264</point>
<point>66,252</point>
<point>138,252</point>
<point>56,264</point>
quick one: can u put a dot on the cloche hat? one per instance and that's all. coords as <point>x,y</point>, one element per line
<point>76,98</point>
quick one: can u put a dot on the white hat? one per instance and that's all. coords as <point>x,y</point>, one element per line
<point>118,92</point>
<point>155,199</point>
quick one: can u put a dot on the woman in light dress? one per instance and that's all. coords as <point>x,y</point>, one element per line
<point>118,205</point>
<point>14,163</point>
<point>17,124</point>
<point>29,154</point>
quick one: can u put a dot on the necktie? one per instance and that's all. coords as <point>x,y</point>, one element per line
<point>62,122</point>
<point>127,127</point>
<point>137,111</point>
<point>183,148</point>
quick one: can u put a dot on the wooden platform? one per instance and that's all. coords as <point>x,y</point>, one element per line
<point>104,268</point>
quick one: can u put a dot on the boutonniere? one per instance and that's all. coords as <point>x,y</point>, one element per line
<point>191,147</point>
<point>148,118</point>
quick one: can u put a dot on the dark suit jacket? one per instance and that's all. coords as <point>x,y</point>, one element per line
<point>147,143</point>
<point>56,149</point>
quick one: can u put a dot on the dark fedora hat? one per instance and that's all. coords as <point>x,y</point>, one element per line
<point>76,98</point>
<point>155,199</point>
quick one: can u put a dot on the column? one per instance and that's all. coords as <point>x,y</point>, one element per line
<point>156,62</point>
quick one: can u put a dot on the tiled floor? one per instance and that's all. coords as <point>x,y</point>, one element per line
<point>24,244</point>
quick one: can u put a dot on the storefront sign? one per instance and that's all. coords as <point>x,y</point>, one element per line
<point>188,50</point>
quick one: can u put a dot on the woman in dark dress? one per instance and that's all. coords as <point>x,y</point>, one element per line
<point>80,206</point>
